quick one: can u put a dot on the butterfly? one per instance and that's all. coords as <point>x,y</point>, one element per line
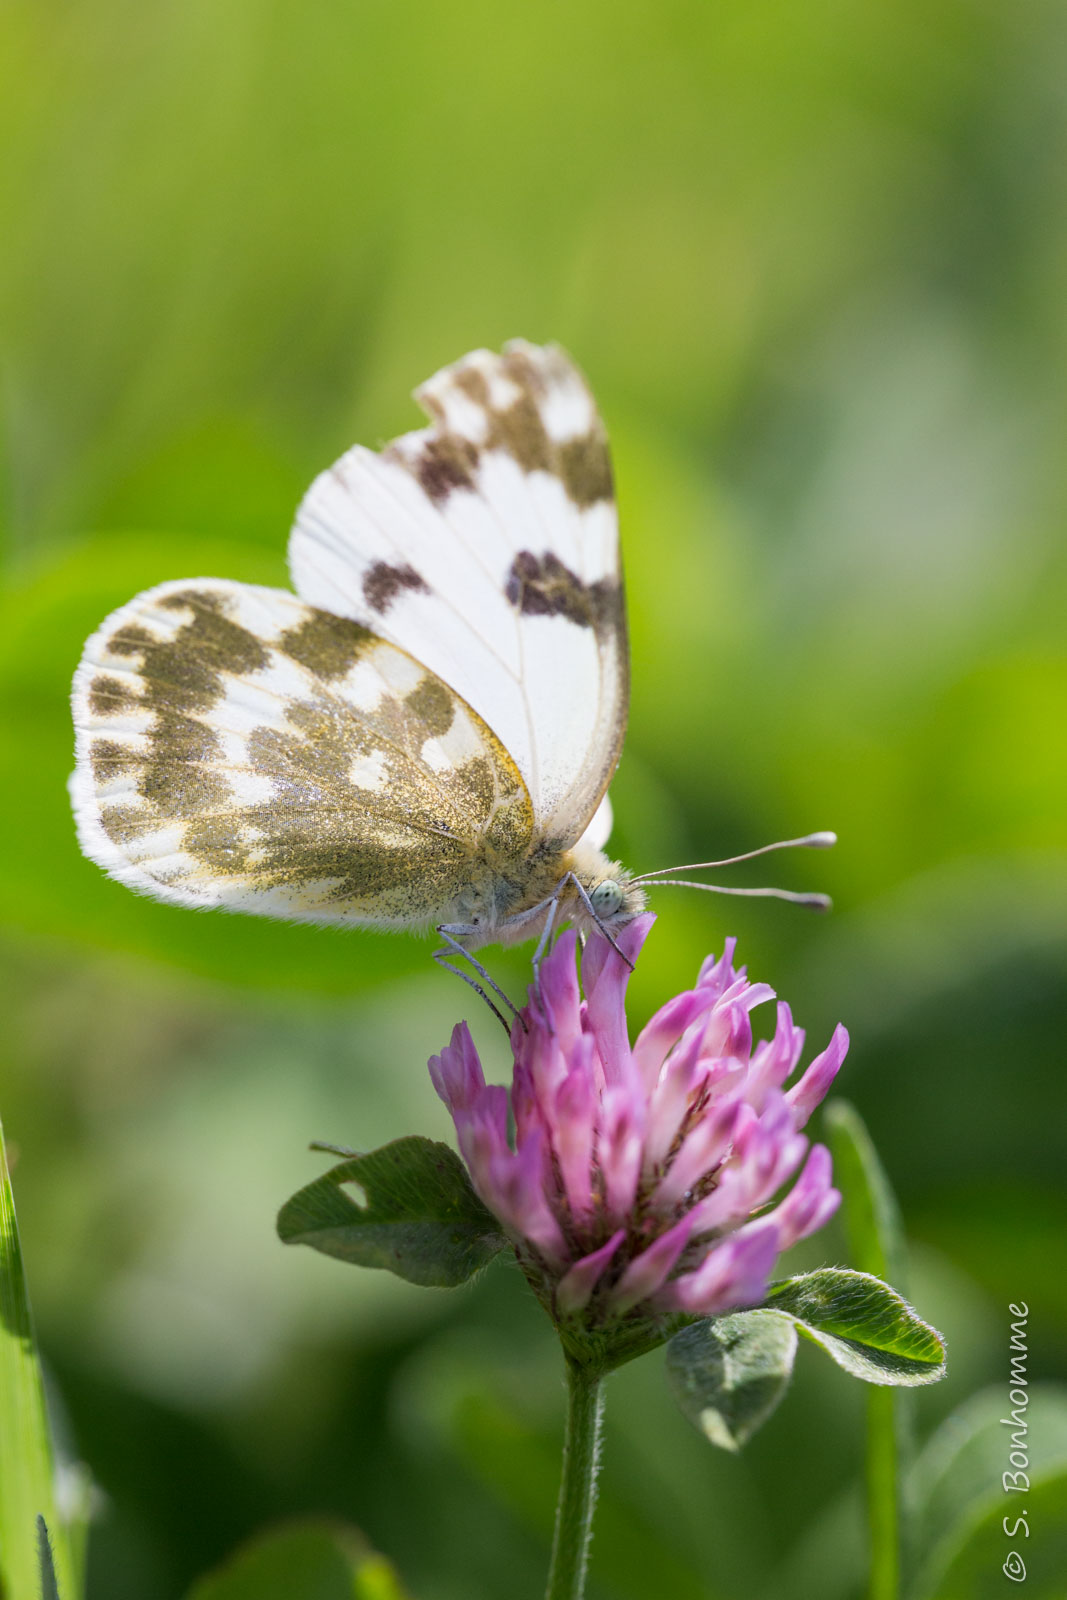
<point>423,733</point>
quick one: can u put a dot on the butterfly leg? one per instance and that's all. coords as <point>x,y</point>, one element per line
<point>551,908</point>
<point>552,905</point>
<point>452,945</point>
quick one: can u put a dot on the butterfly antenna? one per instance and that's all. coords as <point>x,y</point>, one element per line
<point>666,877</point>
<point>813,902</point>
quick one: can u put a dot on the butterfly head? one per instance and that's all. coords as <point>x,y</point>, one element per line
<point>608,898</point>
<point>615,899</point>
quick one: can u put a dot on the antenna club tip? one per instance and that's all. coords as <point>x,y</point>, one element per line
<point>824,840</point>
<point>818,902</point>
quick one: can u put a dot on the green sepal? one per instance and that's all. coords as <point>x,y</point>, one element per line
<point>607,1347</point>
<point>421,1218</point>
<point>863,1324</point>
<point>729,1373</point>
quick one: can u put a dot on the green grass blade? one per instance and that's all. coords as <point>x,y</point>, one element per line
<point>964,1507</point>
<point>876,1245</point>
<point>46,1562</point>
<point>871,1215</point>
<point>27,1477</point>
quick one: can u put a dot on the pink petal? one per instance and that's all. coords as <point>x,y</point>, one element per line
<point>726,1203</point>
<point>680,1081</point>
<point>591,1116</point>
<point>735,1274</point>
<point>620,1147</point>
<point>729,1030</point>
<point>578,1282</point>
<point>559,991</point>
<point>524,1105</point>
<point>482,1132</point>
<point>604,977</point>
<point>716,974</point>
<point>702,1149</point>
<point>457,1073</point>
<point>647,1272</point>
<point>812,1087</point>
<point>540,1056</point>
<point>573,1122</point>
<point>665,1028</point>
<point>810,1203</point>
<point>512,1190</point>
<point>774,1061</point>
<point>768,1152</point>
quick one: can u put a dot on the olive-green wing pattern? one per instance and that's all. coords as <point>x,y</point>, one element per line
<point>237,747</point>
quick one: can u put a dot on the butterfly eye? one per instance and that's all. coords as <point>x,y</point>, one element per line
<point>606,898</point>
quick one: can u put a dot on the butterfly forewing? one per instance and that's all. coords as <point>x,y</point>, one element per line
<point>238,747</point>
<point>487,546</point>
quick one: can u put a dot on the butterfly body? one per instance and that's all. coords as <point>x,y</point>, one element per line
<point>510,902</point>
<point>423,733</point>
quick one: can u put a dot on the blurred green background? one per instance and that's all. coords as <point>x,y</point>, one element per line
<point>812,261</point>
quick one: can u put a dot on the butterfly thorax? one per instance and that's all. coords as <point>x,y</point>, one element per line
<point>509,902</point>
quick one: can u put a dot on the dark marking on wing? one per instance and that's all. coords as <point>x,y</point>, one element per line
<point>585,468</point>
<point>542,586</point>
<point>382,583</point>
<point>416,841</point>
<point>124,824</point>
<point>433,704</point>
<point>327,645</point>
<point>108,695</point>
<point>180,676</point>
<point>446,461</point>
<point>109,760</point>
<point>321,828</point>
<point>184,673</point>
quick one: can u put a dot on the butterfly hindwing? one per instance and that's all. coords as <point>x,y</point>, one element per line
<point>487,546</point>
<point>238,747</point>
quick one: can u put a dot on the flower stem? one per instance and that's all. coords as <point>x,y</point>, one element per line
<point>883,1494</point>
<point>577,1491</point>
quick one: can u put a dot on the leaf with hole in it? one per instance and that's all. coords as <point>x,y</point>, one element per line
<point>863,1324</point>
<point>729,1373</point>
<point>420,1219</point>
<point>27,1474</point>
<point>302,1561</point>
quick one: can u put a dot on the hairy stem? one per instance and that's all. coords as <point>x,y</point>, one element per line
<point>883,1493</point>
<point>577,1491</point>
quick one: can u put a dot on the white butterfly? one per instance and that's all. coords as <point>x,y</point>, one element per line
<point>425,731</point>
